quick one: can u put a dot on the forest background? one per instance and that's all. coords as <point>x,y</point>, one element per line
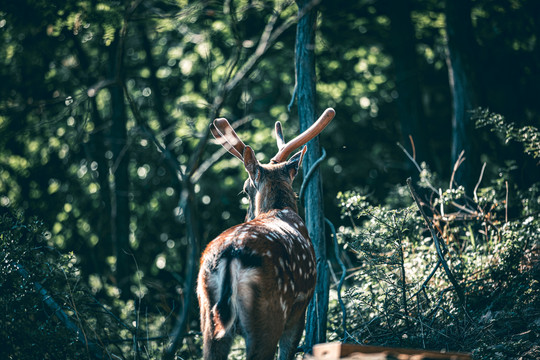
<point>110,184</point>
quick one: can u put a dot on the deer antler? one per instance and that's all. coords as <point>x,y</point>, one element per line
<point>286,149</point>
<point>224,133</point>
<point>279,136</point>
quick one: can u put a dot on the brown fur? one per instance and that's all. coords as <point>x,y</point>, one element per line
<point>271,265</point>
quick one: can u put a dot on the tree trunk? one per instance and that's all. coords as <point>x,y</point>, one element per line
<point>120,187</point>
<point>461,71</point>
<point>313,203</point>
<point>159,104</point>
<point>410,112</point>
<point>97,148</point>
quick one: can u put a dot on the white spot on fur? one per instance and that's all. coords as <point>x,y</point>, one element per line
<point>301,296</point>
<point>283,305</point>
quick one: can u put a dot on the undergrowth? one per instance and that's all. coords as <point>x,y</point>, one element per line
<point>400,293</point>
<point>48,312</point>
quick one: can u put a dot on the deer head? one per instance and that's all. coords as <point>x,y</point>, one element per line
<point>272,175</point>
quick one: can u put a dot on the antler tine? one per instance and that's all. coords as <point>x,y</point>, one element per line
<point>224,133</point>
<point>303,138</point>
<point>279,136</point>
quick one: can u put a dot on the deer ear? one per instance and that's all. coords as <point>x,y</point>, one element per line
<point>252,165</point>
<point>295,162</point>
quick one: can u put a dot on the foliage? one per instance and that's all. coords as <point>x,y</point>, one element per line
<point>28,326</point>
<point>528,136</point>
<point>53,314</point>
<point>400,295</point>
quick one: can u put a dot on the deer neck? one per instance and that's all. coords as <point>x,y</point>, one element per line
<point>276,197</point>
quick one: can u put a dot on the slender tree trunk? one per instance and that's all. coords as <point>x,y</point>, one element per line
<point>120,214</point>
<point>410,112</point>
<point>97,147</point>
<point>462,70</point>
<point>313,203</point>
<point>159,104</point>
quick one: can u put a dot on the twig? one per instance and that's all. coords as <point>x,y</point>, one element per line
<point>410,157</point>
<point>341,280</point>
<point>403,274</point>
<point>478,183</point>
<point>506,204</point>
<point>417,166</point>
<point>436,240</point>
<point>413,148</point>
<point>459,161</point>
<point>441,204</point>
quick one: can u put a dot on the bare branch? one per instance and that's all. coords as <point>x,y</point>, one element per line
<point>478,183</point>
<point>436,240</point>
<point>417,166</point>
<point>459,161</point>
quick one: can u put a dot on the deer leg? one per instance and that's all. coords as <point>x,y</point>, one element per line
<point>213,349</point>
<point>262,325</point>
<point>288,343</point>
<point>261,345</point>
<point>217,349</point>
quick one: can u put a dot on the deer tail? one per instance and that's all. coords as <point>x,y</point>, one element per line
<point>223,312</point>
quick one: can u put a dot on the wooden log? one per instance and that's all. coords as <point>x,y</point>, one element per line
<point>335,351</point>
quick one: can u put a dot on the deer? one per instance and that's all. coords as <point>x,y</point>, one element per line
<point>257,278</point>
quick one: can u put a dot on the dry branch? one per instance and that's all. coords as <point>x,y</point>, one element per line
<point>436,240</point>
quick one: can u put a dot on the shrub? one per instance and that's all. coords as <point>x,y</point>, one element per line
<point>400,294</point>
<point>33,277</point>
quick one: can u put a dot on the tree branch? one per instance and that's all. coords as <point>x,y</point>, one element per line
<point>436,240</point>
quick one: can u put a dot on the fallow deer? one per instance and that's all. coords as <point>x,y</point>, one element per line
<point>257,278</point>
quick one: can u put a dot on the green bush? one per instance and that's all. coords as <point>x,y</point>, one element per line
<point>33,275</point>
<point>400,294</point>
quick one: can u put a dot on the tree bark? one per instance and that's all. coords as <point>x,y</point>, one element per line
<point>461,71</point>
<point>120,214</point>
<point>410,112</point>
<point>313,203</point>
